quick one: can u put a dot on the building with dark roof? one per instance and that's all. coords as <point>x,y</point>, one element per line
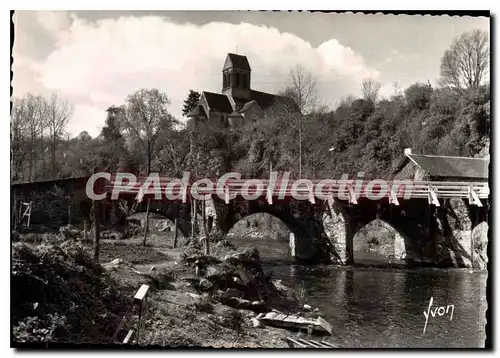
<point>238,102</point>
<point>441,168</point>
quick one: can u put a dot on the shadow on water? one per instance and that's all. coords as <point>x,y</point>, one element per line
<point>384,307</point>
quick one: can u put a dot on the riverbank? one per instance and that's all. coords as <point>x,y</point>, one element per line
<point>194,300</point>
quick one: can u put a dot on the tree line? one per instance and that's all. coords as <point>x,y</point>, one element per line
<point>362,134</point>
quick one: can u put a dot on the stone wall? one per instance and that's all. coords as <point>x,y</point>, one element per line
<point>456,235</point>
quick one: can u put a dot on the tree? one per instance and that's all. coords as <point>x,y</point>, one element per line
<point>371,89</point>
<point>114,143</point>
<point>146,118</point>
<point>418,96</point>
<point>302,89</point>
<point>57,113</point>
<point>190,102</point>
<point>466,63</point>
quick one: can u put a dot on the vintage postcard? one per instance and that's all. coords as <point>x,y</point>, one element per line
<point>250,179</point>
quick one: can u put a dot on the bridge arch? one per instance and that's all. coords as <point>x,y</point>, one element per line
<point>305,245</point>
<point>378,240</point>
<point>169,211</point>
<point>265,231</point>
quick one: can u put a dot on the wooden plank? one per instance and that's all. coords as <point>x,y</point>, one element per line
<point>352,195</point>
<point>129,335</point>
<point>291,342</point>
<point>280,317</point>
<point>312,199</point>
<point>329,344</point>
<point>433,197</point>
<point>327,326</point>
<point>141,293</point>
<point>307,343</point>
<point>321,345</point>
<point>330,202</point>
<point>474,198</point>
<point>393,198</point>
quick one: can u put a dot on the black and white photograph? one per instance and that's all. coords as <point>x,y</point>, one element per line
<point>250,179</point>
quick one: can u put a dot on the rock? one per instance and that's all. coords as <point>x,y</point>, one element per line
<point>316,310</point>
<point>111,235</point>
<point>116,261</point>
<point>152,268</point>
<point>256,323</point>
<point>213,271</point>
<point>307,307</point>
<point>233,292</point>
<point>205,284</point>
<point>238,281</point>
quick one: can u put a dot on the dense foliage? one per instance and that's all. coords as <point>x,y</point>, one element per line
<point>366,134</point>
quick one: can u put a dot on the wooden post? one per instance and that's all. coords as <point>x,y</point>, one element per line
<point>292,244</point>
<point>204,217</point>
<point>97,230</point>
<point>175,233</point>
<point>14,211</point>
<point>205,231</point>
<point>471,250</point>
<point>193,218</point>
<point>84,229</point>
<point>472,239</point>
<point>69,214</point>
<point>146,224</point>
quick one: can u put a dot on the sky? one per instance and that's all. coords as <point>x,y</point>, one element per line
<point>94,59</point>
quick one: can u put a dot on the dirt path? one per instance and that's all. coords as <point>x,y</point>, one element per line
<point>178,315</point>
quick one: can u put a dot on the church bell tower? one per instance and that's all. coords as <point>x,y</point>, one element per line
<point>236,75</point>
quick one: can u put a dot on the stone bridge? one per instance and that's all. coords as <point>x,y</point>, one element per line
<point>324,230</point>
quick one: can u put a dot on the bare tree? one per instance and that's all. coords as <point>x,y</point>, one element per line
<point>27,125</point>
<point>346,101</point>
<point>466,63</point>
<point>371,89</point>
<point>302,89</point>
<point>57,113</point>
<point>18,125</point>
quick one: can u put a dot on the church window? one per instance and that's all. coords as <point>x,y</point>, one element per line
<point>245,83</point>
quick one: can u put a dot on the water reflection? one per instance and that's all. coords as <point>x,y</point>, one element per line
<point>375,307</point>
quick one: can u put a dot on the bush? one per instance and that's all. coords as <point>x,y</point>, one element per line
<point>62,295</point>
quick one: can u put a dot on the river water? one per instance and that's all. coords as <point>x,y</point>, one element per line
<point>381,307</point>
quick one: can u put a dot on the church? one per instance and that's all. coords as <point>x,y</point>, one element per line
<point>237,103</point>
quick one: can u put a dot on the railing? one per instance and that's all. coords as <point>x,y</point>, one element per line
<point>312,190</point>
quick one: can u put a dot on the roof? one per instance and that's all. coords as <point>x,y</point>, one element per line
<point>197,111</point>
<point>51,181</point>
<point>248,105</point>
<point>459,167</point>
<point>218,102</point>
<point>266,100</point>
<point>236,61</point>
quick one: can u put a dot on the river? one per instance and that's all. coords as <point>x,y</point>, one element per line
<point>384,308</point>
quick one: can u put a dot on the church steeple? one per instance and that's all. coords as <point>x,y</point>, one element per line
<point>236,77</point>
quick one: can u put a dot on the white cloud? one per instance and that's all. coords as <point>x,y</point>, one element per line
<point>97,64</point>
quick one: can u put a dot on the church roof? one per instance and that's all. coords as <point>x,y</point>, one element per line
<point>248,105</point>
<point>266,100</point>
<point>197,111</point>
<point>218,102</point>
<point>236,61</point>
